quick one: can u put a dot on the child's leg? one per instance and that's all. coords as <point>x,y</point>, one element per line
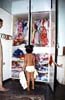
<point>28,80</point>
<point>32,79</point>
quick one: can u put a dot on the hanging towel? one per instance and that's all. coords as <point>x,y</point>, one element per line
<point>35,74</point>
<point>23,80</point>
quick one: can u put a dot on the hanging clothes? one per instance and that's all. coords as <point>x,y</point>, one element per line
<point>43,37</point>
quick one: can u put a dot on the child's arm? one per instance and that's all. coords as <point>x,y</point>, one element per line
<point>34,60</point>
<point>24,63</point>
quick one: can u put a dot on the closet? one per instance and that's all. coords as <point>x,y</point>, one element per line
<point>42,50</point>
<point>20,39</point>
<point>42,37</point>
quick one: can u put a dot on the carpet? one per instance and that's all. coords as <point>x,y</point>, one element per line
<point>21,97</point>
<point>28,97</point>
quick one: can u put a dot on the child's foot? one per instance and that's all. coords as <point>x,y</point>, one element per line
<point>28,89</point>
<point>32,88</point>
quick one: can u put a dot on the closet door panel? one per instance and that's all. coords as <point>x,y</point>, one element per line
<point>7,55</point>
<point>19,7</point>
<point>41,5</point>
<point>7,22</point>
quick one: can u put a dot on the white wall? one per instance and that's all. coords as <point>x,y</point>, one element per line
<point>61,41</point>
<point>61,70</point>
<point>61,25</point>
<point>6,5</point>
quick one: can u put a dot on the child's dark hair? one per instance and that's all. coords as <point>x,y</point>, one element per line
<point>29,48</point>
<point>1,20</point>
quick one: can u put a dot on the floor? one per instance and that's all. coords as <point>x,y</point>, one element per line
<point>15,89</point>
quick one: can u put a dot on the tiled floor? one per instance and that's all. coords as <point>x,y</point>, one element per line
<point>15,90</point>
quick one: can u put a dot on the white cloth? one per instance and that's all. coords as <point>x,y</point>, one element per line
<point>23,80</point>
<point>35,74</point>
<point>30,68</point>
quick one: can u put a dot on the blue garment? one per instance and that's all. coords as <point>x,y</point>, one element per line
<point>17,53</point>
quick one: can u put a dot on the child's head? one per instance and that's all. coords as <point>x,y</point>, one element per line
<point>29,48</point>
<point>1,23</point>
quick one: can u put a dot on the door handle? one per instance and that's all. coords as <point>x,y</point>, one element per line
<point>3,63</point>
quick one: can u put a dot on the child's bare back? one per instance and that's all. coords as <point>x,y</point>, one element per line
<point>30,59</point>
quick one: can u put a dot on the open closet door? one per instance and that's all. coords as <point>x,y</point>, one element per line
<point>53,44</point>
<point>1,62</point>
<point>6,43</point>
<point>43,38</point>
<point>7,55</point>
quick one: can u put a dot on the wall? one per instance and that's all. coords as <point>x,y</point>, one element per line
<point>61,70</point>
<point>6,5</point>
<point>61,40</point>
<point>61,25</point>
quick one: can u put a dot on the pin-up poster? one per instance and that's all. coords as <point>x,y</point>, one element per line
<point>43,29</point>
<point>40,32</point>
<point>20,31</point>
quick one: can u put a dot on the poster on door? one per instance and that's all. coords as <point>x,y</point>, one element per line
<point>20,32</point>
<point>40,32</point>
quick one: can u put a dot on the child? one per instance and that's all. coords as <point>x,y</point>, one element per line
<point>29,64</point>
